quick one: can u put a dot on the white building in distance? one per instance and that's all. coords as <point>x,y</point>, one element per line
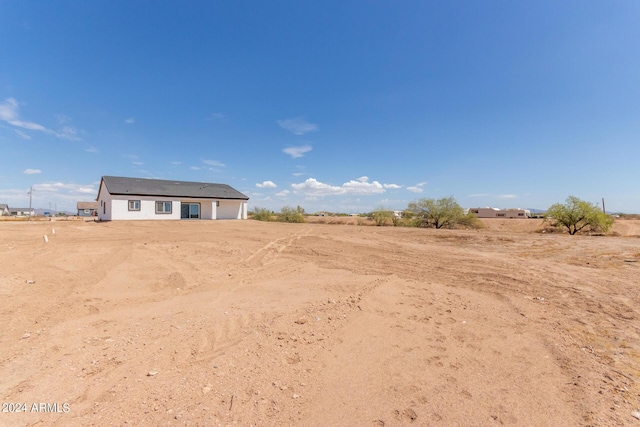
<point>501,213</point>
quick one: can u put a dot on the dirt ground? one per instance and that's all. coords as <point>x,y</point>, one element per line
<point>207,323</point>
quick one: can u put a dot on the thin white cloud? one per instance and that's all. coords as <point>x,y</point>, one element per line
<point>62,119</point>
<point>314,188</point>
<point>266,184</point>
<point>176,163</point>
<point>49,194</point>
<point>363,179</point>
<point>296,152</point>
<point>216,116</point>
<point>214,163</point>
<point>418,187</point>
<point>22,134</point>
<point>69,133</point>
<point>392,186</point>
<point>506,196</point>
<point>91,150</point>
<point>299,173</point>
<point>32,171</point>
<point>9,110</point>
<point>130,120</point>
<point>58,186</point>
<point>479,195</point>
<point>195,168</point>
<point>9,114</point>
<point>137,163</point>
<point>282,193</point>
<point>297,126</point>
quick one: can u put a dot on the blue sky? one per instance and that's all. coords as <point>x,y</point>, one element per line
<point>335,105</point>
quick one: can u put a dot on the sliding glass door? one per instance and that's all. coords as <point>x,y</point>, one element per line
<point>190,210</point>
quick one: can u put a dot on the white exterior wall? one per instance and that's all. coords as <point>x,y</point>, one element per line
<point>117,208</point>
<point>516,213</point>
<point>120,208</point>
<point>207,210</point>
<point>232,209</point>
<point>104,204</point>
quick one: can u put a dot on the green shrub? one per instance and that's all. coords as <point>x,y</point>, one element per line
<point>289,214</point>
<point>382,217</point>
<point>441,213</point>
<point>576,215</point>
<point>469,220</point>
<point>261,214</point>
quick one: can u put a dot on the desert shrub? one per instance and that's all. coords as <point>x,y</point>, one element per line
<point>382,217</point>
<point>578,215</point>
<point>365,221</point>
<point>469,220</point>
<point>441,213</point>
<point>261,214</point>
<point>289,214</point>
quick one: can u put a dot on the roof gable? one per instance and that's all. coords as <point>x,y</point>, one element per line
<point>165,188</point>
<point>87,205</point>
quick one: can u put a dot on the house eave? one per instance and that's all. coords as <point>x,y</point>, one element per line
<point>175,196</point>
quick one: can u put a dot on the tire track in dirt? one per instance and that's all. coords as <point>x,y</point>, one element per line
<point>274,248</point>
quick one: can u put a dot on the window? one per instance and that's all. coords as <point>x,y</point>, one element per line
<point>163,207</point>
<point>500,214</point>
<point>520,214</point>
<point>134,205</point>
<point>87,211</point>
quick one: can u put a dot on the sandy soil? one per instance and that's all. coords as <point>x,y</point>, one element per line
<point>249,323</point>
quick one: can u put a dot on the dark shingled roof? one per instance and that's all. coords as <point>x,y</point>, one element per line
<point>165,188</point>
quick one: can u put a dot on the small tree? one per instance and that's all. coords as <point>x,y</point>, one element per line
<point>289,214</point>
<point>381,216</point>
<point>576,215</point>
<point>445,212</point>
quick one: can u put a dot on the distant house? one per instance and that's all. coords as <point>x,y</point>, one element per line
<point>4,210</point>
<point>501,213</point>
<point>87,208</point>
<point>121,198</point>
<point>21,212</point>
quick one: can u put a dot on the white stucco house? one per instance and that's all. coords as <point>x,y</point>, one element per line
<point>121,198</point>
<point>501,213</point>
<point>22,212</point>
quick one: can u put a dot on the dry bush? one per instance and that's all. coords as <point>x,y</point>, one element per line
<point>547,229</point>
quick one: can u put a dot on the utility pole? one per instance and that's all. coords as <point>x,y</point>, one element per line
<point>30,197</point>
<point>603,211</point>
